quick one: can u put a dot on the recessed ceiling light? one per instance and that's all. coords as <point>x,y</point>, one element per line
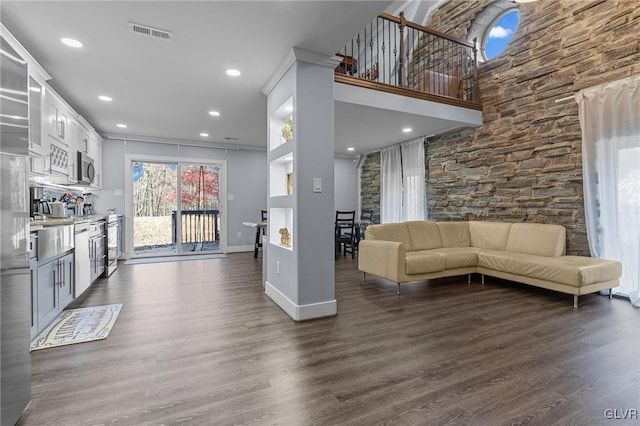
<point>232,72</point>
<point>35,89</point>
<point>214,113</point>
<point>71,42</point>
<point>204,135</point>
<point>122,126</point>
<point>407,129</point>
<point>105,98</point>
<point>350,148</point>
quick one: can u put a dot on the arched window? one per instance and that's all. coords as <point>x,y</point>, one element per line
<point>499,34</point>
<point>494,27</point>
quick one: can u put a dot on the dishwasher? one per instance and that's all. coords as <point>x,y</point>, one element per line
<point>82,262</point>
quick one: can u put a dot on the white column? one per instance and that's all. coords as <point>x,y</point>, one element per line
<point>301,273</point>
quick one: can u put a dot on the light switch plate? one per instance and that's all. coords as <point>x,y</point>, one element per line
<point>317,184</point>
<point>231,197</point>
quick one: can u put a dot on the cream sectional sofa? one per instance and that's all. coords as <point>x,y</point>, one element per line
<point>529,253</point>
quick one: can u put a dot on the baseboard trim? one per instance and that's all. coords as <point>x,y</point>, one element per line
<point>301,312</point>
<point>239,249</point>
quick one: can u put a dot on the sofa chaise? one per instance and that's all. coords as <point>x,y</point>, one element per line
<point>528,253</point>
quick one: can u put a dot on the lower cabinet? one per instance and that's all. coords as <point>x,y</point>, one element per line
<point>54,289</point>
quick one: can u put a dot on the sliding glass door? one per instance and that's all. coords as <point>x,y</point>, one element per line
<point>154,199</point>
<point>200,207</point>
<point>176,208</point>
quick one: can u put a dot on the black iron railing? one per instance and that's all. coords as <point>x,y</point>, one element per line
<point>398,53</point>
<point>198,226</point>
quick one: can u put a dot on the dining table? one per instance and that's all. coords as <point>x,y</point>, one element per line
<point>259,227</point>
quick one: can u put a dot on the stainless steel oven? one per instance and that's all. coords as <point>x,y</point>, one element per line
<point>112,243</point>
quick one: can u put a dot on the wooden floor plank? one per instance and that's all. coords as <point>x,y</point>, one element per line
<point>199,343</point>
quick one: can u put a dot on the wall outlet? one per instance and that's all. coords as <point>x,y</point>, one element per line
<point>239,235</point>
<point>278,267</point>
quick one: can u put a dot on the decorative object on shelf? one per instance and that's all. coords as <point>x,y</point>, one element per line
<point>285,237</point>
<point>287,130</point>
<point>290,183</point>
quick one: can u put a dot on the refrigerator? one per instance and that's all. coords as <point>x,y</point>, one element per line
<point>15,276</point>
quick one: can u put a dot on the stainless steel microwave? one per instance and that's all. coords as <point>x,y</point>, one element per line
<point>86,169</point>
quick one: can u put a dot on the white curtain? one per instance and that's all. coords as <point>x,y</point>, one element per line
<point>413,203</point>
<point>610,121</point>
<point>391,174</point>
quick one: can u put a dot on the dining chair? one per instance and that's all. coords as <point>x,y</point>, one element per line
<point>366,219</point>
<point>345,233</point>
<point>260,230</point>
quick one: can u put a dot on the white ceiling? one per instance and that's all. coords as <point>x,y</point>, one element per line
<point>163,90</point>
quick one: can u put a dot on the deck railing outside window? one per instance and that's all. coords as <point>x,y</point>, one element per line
<point>392,52</point>
<point>198,226</point>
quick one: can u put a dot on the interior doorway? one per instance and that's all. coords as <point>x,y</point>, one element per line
<point>176,206</point>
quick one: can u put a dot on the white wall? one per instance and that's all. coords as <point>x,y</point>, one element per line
<point>346,184</point>
<point>246,181</point>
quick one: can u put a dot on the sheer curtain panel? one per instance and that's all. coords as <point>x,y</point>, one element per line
<point>610,122</point>
<point>391,174</point>
<point>413,206</point>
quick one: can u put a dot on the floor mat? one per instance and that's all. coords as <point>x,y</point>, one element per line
<point>78,326</point>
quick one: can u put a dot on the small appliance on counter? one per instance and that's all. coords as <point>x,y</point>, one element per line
<point>88,205</point>
<point>38,205</point>
<point>58,209</point>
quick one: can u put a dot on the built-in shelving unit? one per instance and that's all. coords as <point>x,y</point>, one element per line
<point>299,271</point>
<point>281,176</point>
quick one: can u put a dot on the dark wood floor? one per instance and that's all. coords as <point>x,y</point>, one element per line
<point>199,343</point>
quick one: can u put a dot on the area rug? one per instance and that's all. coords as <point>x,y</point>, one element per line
<point>78,326</point>
<point>163,259</point>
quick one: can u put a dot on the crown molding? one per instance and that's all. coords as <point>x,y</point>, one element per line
<point>302,55</point>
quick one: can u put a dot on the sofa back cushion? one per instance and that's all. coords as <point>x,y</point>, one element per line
<point>424,235</point>
<point>489,235</point>
<point>537,239</point>
<point>389,232</point>
<point>454,234</point>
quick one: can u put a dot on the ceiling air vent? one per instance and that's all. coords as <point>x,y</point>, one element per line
<point>231,139</point>
<point>150,31</point>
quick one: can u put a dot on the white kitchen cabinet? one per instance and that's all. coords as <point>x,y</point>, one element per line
<point>95,152</point>
<point>61,133</point>
<point>58,118</point>
<point>82,138</point>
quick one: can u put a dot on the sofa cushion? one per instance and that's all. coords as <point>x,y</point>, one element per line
<point>489,235</point>
<point>389,232</point>
<point>458,257</point>
<point>570,270</point>
<point>424,235</point>
<point>424,262</point>
<point>536,239</point>
<point>454,234</point>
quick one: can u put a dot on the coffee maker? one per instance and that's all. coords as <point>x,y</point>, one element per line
<point>38,205</point>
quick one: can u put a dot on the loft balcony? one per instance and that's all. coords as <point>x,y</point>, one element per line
<point>395,71</point>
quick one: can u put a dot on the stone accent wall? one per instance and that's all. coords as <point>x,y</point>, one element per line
<point>524,163</point>
<point>370,190</point>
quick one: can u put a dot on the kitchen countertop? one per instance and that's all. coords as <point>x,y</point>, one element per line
<point>71,220</point>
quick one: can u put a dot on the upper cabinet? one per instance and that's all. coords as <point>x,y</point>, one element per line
<point>58,118</point>
<point>56,131</point>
